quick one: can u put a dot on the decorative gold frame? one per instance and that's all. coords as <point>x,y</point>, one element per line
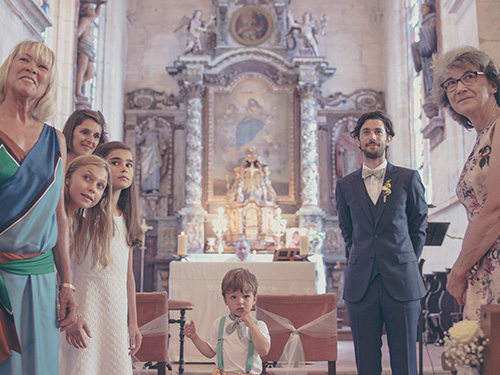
<point>287,125</point>
<point>251,26</point>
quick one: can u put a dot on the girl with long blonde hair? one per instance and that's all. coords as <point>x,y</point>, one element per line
<point>107,304</point>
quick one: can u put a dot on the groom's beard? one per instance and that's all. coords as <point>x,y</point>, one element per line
<point>376,154</point>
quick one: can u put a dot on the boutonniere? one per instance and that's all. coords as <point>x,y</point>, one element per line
<point>386,190</point>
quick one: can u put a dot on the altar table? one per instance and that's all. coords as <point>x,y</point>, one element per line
<point>200,283</point>
<point>317,259</point>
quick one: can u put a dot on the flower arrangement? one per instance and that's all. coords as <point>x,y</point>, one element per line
<point>386,190</point>
<point>464,344</point>
<point>315,240</point>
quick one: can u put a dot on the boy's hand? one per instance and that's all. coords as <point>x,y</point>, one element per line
<point>190,330</point>
<point>247,318</point>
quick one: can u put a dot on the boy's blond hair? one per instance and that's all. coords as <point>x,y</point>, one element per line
<point>239,279</point>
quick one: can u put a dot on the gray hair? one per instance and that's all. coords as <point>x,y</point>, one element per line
<point>241,240</point>
<point>461,58</point>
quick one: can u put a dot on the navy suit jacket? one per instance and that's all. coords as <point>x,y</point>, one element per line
<point>394,239</point>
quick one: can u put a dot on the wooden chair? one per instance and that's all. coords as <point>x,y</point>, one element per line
<point>300,310</point>
<point>490,324</point>
<point>182,307</point>
<point>152,306</point>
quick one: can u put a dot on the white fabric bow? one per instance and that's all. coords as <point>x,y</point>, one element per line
<point>293,353</point>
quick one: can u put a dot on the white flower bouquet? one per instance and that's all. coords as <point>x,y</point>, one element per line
<point>464,344</point>
<point>315,240</point>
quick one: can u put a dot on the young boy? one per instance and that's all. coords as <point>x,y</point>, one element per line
<point>238,339</point>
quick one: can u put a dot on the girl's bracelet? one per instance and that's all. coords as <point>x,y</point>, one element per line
<point>67,285</point>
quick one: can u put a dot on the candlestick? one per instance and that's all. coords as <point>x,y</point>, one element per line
<point>145,228</point>
<point>278,227</point>
<point>304,245</point>
<point>220,227</point>
<point>181,244</point>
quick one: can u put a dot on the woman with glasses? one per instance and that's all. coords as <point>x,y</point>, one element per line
<point>466,81</point>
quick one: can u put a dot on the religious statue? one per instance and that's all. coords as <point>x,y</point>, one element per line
<point>270,192</point>
<point>307,30</point>
<point>423,50</point>
<point>89,11</point>
<point>347,153</point>
<point>195,27</point>
<point>252,180</point>
<point>153,143</point>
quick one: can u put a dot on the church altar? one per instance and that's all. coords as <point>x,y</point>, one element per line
<point>316,259</point>
<point>200,283</point>
<point>244,132</point>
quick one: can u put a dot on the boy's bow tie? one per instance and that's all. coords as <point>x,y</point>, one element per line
<point>235,325</point>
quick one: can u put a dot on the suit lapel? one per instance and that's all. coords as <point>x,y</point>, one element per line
<point>360,189</point>
<point>390,174</point>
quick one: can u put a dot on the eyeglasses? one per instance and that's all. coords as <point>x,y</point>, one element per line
<point>467,79</point>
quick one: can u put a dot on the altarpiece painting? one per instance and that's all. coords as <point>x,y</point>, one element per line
<point>252,112</point>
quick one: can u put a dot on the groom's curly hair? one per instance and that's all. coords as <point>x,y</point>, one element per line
<point>375,115</point>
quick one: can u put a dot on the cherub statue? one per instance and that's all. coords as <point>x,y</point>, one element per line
<point>89,12</point>
<point>308,29</point>
<point>195,27</point>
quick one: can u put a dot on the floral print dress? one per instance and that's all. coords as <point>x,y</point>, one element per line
<point>484,279</point>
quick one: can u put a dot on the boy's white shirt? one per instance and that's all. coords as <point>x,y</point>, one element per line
<point>235,351</point>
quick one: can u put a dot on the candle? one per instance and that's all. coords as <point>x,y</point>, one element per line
<point>304,250</point>
<point>181,244</point>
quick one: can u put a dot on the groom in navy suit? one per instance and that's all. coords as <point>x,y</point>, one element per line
<point>382,214</point>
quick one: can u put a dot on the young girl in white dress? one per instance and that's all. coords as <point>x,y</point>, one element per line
<point>87,199</point>
<point>106,335</point>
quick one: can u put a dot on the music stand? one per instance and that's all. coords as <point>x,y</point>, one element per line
<point>435,236</point>
<point>286,255</point>
<point>435,233</point>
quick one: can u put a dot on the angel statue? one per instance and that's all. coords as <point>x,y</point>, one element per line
<point>89,11</point>
<point>153,143</point>
<point>195,27</point>
<point>307,30</point>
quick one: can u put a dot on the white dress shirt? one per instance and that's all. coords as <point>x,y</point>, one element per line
<point>373,184</point>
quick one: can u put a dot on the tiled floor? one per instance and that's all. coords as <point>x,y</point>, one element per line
<point>345,363</point>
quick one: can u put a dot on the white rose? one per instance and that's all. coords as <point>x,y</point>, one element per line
<point>465,331</point>
<point>467,370</point>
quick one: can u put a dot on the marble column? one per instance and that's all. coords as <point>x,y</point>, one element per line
<point>310,214</point>
<point>194,146</point>
<point>309,145</point>
<point>192,215</point>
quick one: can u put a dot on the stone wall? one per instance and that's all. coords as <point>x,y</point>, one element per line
<point>462,23</point>
<point>352,42</point>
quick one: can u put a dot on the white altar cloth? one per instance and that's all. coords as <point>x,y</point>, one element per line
<point>317,259</point>
<point>200,283</point>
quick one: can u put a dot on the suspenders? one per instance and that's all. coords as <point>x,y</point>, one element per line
<point>220,362</point>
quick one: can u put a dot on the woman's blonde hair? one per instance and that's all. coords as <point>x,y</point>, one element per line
<point>46,105</point>
<point>91,227</point>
